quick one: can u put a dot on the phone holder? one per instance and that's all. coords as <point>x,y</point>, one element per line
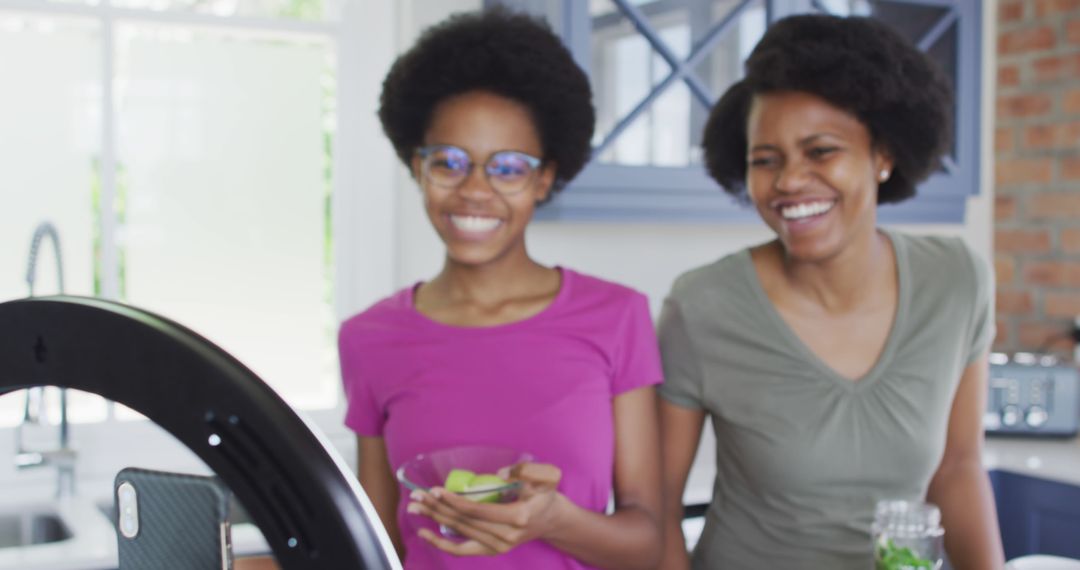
<point>305,501</point>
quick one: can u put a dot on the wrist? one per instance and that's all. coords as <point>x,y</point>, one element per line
<point>559,511</point>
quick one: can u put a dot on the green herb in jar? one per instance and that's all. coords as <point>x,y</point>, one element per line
<point>893,557</point>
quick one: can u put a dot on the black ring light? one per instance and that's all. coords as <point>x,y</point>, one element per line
<point>306,503</point>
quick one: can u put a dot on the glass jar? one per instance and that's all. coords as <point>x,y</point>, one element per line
<point>907,536</point>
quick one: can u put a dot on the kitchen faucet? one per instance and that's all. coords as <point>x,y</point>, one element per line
<point>62,457</point>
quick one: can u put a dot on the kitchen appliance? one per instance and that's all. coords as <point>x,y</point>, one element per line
<point>1032,395</point>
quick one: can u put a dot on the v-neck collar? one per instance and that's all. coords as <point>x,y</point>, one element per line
<point>895,332</point>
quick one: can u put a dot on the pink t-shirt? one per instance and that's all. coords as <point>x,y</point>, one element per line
<point>543,385</point>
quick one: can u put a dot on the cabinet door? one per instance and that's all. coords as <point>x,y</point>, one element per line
<point>1037,516</point>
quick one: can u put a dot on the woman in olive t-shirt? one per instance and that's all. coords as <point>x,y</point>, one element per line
<point>840,364</point>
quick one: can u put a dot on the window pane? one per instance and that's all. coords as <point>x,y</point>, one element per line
<point>667,132</point>
<point>910,19</point>
<point>915,21</point>
<point>224,148</point>
<point>724,63</point>
<point>83,407</point>
<point>50,116</point>
<point>307,10</point>
<point>601,7</point>
<point>621,82</point>
<point>845,7</point>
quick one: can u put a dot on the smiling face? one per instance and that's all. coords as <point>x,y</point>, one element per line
<point>813,173</point>
<point>478,224</point>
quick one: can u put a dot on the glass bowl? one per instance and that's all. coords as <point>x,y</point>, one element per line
<point>477,472</point>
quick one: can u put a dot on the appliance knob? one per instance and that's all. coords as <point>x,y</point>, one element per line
<point>1036,416</point>
<point>1010,415</point>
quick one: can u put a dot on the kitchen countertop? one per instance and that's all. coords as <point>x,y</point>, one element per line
<point>92,546</point>
<point>93,542</point>
<point>1051,459</point>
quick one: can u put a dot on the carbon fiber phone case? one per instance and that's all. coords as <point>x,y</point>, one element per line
<point>182,522</point>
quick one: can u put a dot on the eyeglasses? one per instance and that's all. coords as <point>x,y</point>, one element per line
<point>507,171</point>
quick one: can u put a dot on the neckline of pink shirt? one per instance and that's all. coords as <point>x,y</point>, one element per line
<point>566,276</point>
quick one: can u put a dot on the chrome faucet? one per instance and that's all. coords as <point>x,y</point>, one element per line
<point>44,229</point>
<point>62,457</point>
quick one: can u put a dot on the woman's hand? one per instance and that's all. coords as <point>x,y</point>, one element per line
<point>492,529</point>
<point>627,539</point>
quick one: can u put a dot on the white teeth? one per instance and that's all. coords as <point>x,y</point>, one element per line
<point>474,223</point>
<point>805,210</point>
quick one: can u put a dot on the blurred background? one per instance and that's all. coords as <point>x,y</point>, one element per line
<point>219,162</point>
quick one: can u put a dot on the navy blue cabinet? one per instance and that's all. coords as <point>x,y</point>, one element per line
<point>1037,516</point>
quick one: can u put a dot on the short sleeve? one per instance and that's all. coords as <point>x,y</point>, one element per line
<point>363,413</point>
<point>637,360</point>
<point>982,330</point>
<point>682,371</point>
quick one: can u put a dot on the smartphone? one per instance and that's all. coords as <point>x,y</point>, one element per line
<point>171,521</point>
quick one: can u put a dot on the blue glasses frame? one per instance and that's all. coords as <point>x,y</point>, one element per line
<point>495,168</point>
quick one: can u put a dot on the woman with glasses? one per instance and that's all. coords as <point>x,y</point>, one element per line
<point>840,363</point>
<point>491,116</point>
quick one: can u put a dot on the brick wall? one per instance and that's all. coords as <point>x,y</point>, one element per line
<point>1037,172</point>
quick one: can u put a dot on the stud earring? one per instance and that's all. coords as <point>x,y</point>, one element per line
<point>884,175</point>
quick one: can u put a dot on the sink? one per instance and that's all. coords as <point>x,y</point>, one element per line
<point>30,528</point>
<point>42,533</point>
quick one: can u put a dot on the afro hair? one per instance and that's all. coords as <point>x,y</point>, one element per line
<point>857,64</point>
<point>506,53</point>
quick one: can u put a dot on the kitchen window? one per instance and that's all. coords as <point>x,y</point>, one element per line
<point>185,151</point>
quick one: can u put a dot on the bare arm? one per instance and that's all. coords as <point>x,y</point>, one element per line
<point>630,537</point>
<point>960,487</point>
<point>627,539</point>
<point>680,430</point>
<point>379,483</point>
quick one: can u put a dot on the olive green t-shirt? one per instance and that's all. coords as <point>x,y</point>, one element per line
<point>803,454</point>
